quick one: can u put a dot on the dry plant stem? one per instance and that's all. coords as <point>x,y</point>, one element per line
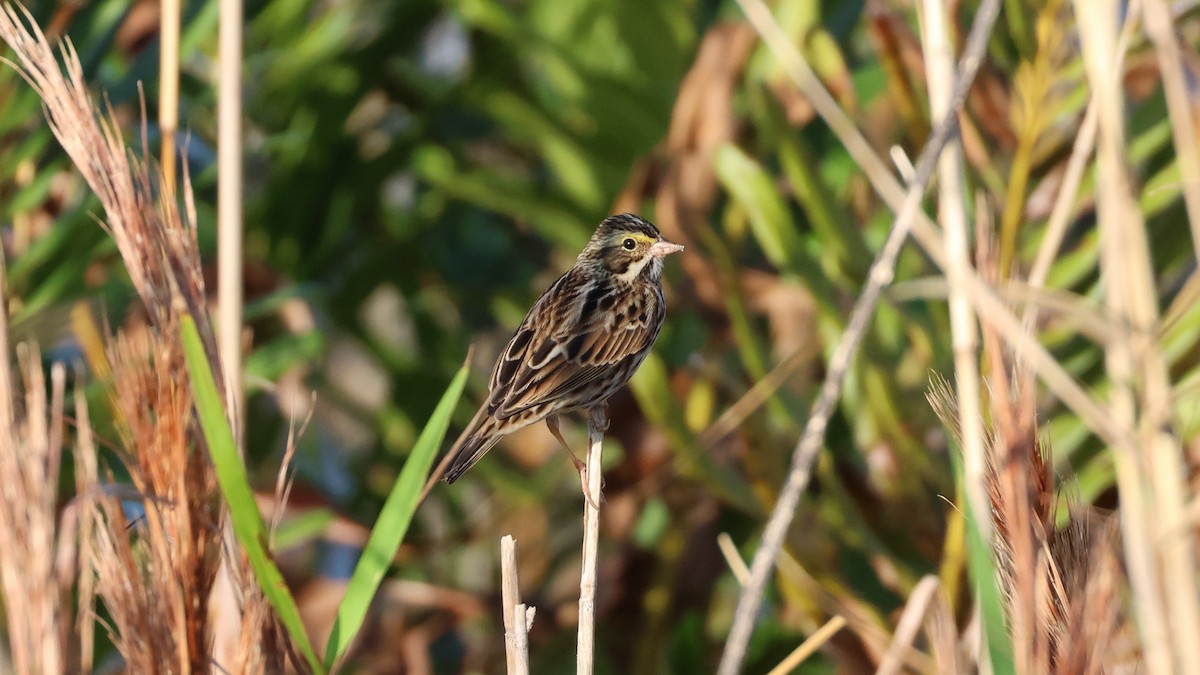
<point>510,594</point>
<point>1160,26</point>
<point>982,296</point>
<point>168,87</point>
<point>586,643</point>
<point>881,273</point>
<point>910,621</point>
<point>952,212</point>
<point>1149,469</point>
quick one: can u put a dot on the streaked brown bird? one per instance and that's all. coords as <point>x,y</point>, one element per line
<point>580,343</point>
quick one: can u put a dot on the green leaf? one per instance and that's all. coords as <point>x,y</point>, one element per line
<point>247,522</point>
<point>754,190</point>
<point>392,524</point>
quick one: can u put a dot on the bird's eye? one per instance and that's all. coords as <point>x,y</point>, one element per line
<point>629,244</point>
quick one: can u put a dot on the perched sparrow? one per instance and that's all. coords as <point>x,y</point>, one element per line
<point>580,343</point>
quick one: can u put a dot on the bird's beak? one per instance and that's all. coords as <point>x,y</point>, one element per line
<point>663,247</point>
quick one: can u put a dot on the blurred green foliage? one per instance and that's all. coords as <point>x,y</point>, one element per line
<point>418,171</point>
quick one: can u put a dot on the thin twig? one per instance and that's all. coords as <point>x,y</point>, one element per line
<point>881,273</point>
<point>810,646</point>
<point>586,648</point>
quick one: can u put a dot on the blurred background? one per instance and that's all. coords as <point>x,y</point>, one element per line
<point>417,172</point>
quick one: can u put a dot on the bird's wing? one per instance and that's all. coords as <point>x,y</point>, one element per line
<point>575,334</point>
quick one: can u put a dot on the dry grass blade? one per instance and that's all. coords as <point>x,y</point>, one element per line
<point>810,646</point>
<point>155,584</point>
<point>909,625</point>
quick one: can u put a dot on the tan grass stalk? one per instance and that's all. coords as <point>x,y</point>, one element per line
<point>229,200</point>
<point>880,274</point>
<point>1060,586</point>
<point>168,86</point>
<point>1150,472</point>
<point>952,213</point>
<point>586,643</point>
<point>943,635</point>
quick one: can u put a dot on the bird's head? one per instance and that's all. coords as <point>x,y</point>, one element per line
<point>627,247</point>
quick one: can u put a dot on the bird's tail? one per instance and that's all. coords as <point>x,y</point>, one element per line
<point>471,451</point>
<point>474,440</point>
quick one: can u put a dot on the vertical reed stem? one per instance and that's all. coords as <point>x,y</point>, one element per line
<point>585,654</point>
<point>229,288</point>
<point>229,204</point>
<point>168,88</point>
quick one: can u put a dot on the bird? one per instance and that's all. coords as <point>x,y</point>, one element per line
<point>579,344</point>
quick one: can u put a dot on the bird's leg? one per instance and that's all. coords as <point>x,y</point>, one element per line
<point>598,416</point>
<point>552,425</point>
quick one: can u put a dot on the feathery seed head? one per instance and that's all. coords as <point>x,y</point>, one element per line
<point>627,246</point>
